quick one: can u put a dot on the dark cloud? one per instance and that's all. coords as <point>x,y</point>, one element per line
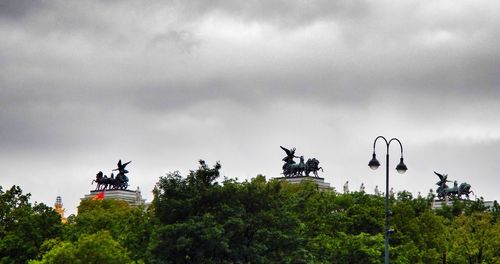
<point>19,9</point>
<point>166,83</point>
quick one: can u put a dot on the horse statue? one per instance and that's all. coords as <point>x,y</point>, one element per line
<point>312,165</point>
<point>464,189</point>
<point>110,183</point>
<point>113,183</point>
<point>444,191</point>
<point>102,181</point>
<point>294,169</point>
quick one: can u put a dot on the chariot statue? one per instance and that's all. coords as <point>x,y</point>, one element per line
<point>443,191</point>
<point>301,169</point>
<point>120,182</point>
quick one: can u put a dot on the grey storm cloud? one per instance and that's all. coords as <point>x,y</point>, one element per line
<point>15,10</point>
<point>163,83</point>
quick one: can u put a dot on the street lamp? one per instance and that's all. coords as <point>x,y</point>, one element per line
<point>401,168</point>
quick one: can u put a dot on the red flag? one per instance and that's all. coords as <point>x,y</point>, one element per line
<point>99,196</point>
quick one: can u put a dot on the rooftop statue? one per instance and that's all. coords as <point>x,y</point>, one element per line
<point>444,191</point>
<point>112,183</point>
<point>293,169</point>
<point>443,179</point>
<point>290,154</point>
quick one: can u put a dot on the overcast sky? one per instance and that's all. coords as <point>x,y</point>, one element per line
<point>165,83</point>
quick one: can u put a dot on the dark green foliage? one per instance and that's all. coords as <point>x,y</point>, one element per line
<point>96,248</point>
<point>202,221</point>
<point>476,206</point>
<point>195,219</point>
<point>495,211</point>
<point>129,226</point>
<point>23,226</point>
<point>475,239</point>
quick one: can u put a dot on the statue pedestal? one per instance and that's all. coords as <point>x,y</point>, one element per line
<point>322,185</point>
<point>133,198</point>
<point>437,204</point>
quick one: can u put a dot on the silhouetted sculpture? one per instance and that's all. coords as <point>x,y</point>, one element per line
<point>293,169</point>
<point>346,187</point>
<point>444,192</point>
<point>362,187</point>
<point>443,179</point>
<point>290,154</point>
<point>101,180</point>
<point>312,165</point>
<point>119,182</point>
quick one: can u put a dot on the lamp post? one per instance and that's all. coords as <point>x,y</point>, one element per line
<point>401,168</point>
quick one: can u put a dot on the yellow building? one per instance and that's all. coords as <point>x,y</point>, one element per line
<point>58,206</point>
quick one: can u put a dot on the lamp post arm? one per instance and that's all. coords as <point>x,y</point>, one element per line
<point>386,143</point>
<point>400,145</point>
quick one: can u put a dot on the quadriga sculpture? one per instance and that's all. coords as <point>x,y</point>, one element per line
<point>293,169</point>
<point>112,183</point>
<point>444,190</point>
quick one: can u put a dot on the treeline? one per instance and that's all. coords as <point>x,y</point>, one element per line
<point>196,219</point>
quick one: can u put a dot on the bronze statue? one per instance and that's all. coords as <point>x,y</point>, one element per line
<point>443,191</point>
<point>293,169</point>
<point>312,165</point>
<point>101,180</point>
<point>290,154</point>
<point>112,183</point>
<point>121,180</point>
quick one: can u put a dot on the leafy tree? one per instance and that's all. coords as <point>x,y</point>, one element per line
<point>421,234</point>
<point>475,206</point>
<point>495,211</point>
<point>348,248</point>
<point>200,220</point>
<point>95,248</point>
<point>475,239</point>
<point>186,232</point>
<point>23,226</point>
<point>195,219</point>
<point>366,214</point>
<point>130,226</point>
<point>192,241</point>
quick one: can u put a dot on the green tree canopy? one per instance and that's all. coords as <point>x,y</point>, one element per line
<point>23,226</point>
<point>201,219</point>
<point>95,248</point>
<point>130,226</point>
